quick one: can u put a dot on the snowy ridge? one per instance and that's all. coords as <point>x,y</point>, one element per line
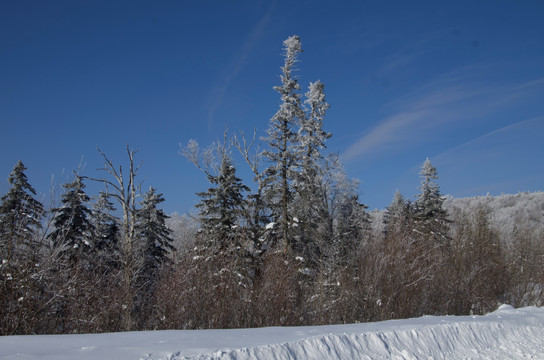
<point>500,335</point>
<point>524,210</point>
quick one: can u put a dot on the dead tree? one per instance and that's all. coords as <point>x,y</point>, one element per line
<point>125,190</point>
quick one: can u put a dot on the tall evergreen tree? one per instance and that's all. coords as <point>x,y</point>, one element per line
<point>154,243</point>
<point>152,234</point>
<point>431,249</point>
<point>20,215</point>
<point>281,141</point>
<point>21,288</point>
<point>72,225</point>
<point>311,209</point>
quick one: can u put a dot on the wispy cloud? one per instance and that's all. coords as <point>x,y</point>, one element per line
<point>390,131</point>
<point>218,91</point>
<point>530,123</point>
<point>503,159</point>
<point>411,123</point>
<point>448,102</point>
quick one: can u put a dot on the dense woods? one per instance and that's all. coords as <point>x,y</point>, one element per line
<point>297,246</point>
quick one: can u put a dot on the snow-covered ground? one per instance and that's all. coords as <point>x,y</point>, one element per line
<point>507,333</point>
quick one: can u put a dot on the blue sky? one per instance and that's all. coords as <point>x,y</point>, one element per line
<point>459,82</point>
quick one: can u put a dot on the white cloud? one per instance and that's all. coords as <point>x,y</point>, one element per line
<point>390,131</point>
<point>531,124</point>
<point>448,103</point>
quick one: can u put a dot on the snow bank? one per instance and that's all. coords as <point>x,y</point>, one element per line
<point>504,334</point>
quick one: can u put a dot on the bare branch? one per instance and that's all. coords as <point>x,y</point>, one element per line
<point>245,149</point>
<point>208,160</point>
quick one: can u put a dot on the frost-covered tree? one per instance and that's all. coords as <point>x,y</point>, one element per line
<point>430,245</point>
<point>310,201</point>
<point>20,215</point>
<point>125,190</point>
<point>154,243</point>
<point>405,260</point>
<point>257,214</point>
<point>430,216</point>
<point>21,290</point>
<point>281,140</point>
<point>398,213</point>
<point>106,229</point>
<point>152,233</point>
<point>72,225</point>
<point>227,244</point>
<point>312,137</point>
<point>221,206</point>
<point>396,208</point>
<point>352,226</point>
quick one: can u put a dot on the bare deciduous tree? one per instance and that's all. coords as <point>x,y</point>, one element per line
<point>126,191</point>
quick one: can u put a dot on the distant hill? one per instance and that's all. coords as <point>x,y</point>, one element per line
<point>507,212</point>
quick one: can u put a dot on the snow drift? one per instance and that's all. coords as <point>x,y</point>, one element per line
<point>507,333</point>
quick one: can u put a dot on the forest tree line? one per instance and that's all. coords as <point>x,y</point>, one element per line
<point>297,247</point>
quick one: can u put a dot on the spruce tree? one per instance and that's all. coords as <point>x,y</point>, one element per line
<point>311,209</point>
<point>352,225</point>
<point>72,225</point>
<point>397,215</point>
<point>430,251</point>
<point>152,233</point>
<point>21,288</point>
<point>312,137</point>
<point>154,243</point>
<point>281,141</point>
<point>106,230</point>
<point>221,206</point>
<point>431,219</point>
<point>20,215</point>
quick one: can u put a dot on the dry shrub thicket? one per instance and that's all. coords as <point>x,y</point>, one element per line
<point>360,273</point>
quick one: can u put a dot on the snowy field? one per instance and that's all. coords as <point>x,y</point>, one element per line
<point>504,334</point>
